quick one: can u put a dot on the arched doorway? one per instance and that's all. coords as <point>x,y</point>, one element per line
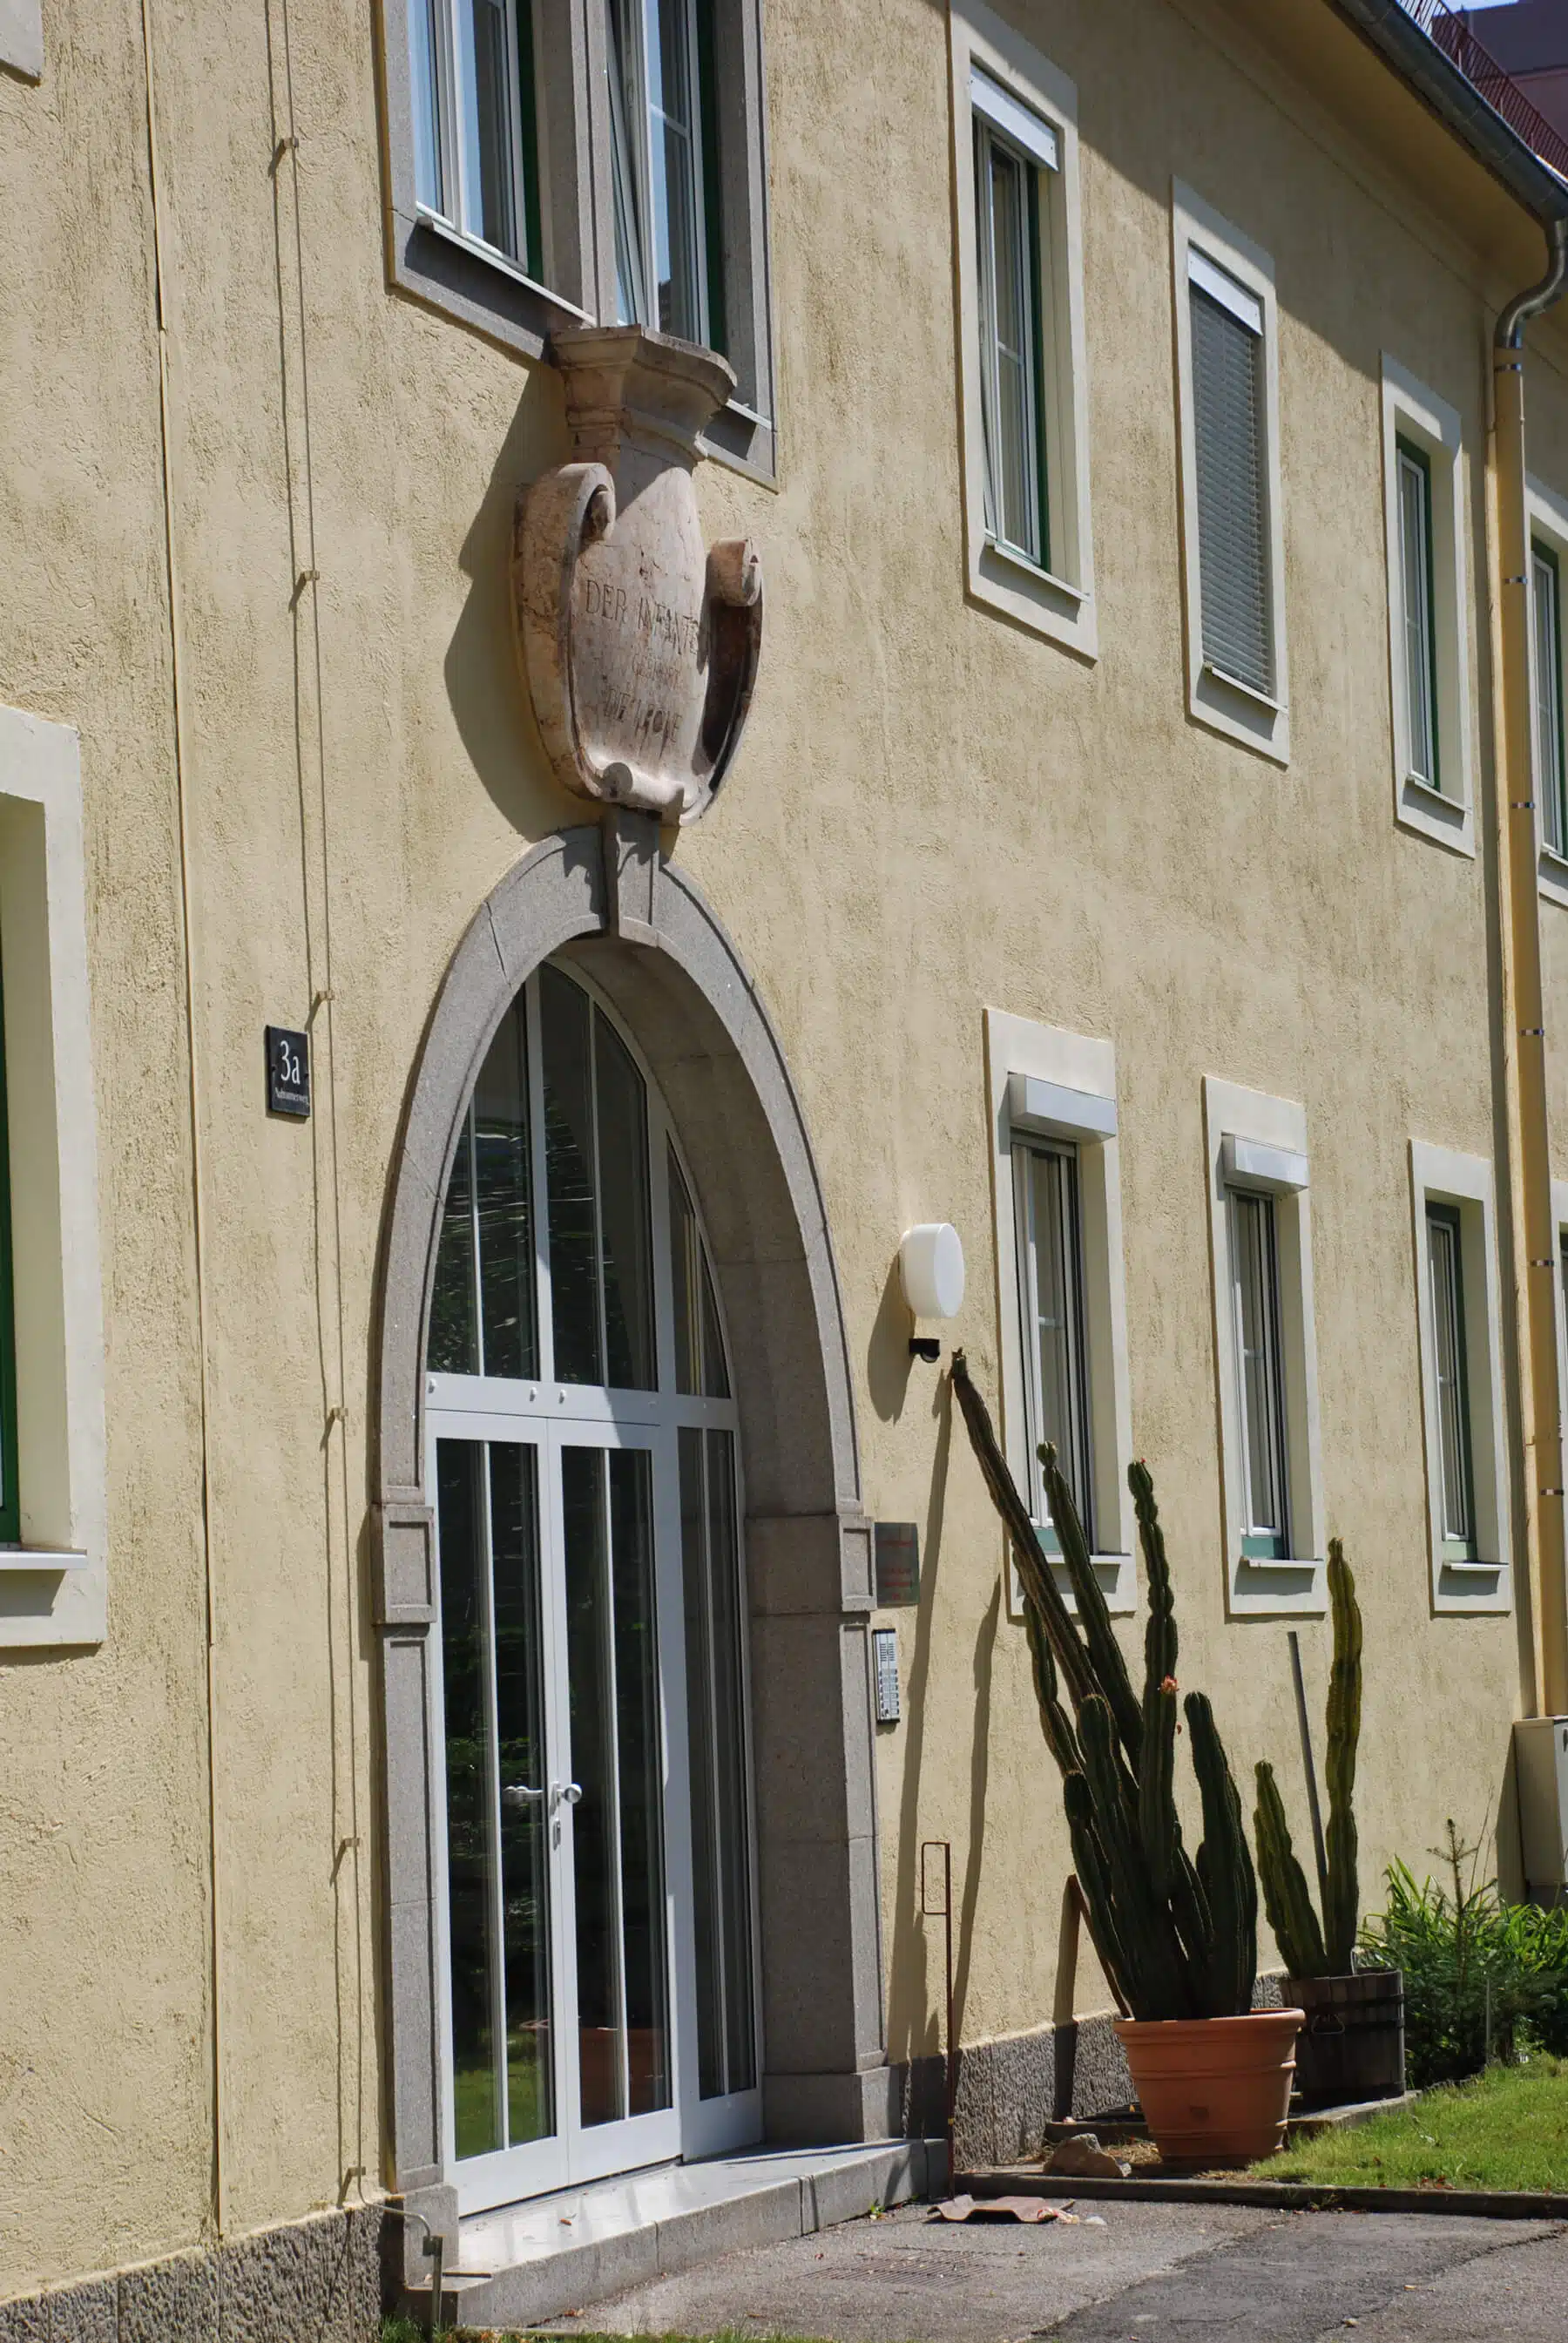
<point>597,1931</point>
<point>604,905</point>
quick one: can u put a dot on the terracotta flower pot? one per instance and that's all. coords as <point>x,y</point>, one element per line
<point>1215,2090</point>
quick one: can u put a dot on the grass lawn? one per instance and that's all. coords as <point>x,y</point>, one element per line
<point>1508,2129</point>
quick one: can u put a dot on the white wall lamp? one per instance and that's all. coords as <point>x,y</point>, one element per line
<point>931,1272</point>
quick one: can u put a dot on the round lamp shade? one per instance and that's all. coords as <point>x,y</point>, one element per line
<point>931,1270</point>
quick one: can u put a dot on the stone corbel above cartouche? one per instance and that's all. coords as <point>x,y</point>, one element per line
<point>638,644</point>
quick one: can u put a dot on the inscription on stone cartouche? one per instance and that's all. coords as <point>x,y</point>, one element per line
<point>639,643</point>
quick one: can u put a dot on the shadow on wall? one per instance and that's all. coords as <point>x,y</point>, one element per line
<point>887,1355</point>
<point>485,686</point>
<point>915,1986</point>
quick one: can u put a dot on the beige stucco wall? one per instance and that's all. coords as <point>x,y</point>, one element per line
<point>933,811</point>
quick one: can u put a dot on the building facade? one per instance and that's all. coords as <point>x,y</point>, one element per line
<point>447,1529</point>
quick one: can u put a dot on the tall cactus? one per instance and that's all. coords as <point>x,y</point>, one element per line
<point>1310,1951</point>
<point>1343,1910</point>
<point>1177,1939</point>
<point>1286,1896</point>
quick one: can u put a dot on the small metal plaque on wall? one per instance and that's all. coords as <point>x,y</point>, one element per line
<point>897,1546</point>
<point>287,1073</point>
<point>885,1668</point>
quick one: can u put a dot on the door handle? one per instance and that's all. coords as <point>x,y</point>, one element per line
<point>518,1793</point>
<point>565,1793</point>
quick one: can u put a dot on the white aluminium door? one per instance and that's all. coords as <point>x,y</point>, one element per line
<point>599,1937</point>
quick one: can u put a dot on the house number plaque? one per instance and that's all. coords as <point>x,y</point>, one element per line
<point>287,1073</point>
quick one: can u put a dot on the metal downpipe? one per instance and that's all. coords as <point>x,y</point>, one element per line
<point>1535,1246</point>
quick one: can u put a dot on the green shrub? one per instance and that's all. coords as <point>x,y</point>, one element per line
<point>1479,1973</point>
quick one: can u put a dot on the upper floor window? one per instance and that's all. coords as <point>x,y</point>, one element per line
<point>1228,441</point>
<point>1012,146</point>
<point>1548,517</point>
<point>1419,635</point>
<point>1023,370</point>
<point>559,160</point>
<point>662,135</point>
<point>476,157</point>
<point>1228,385</point>
<point>1429,660</point>
<point>1546,681</point>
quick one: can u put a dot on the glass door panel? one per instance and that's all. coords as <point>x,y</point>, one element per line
<point>617,1831</point>
<point>597,1179</point>
<point>498,1883</point>
<point>721,1893</point>
<point>596,1903</point>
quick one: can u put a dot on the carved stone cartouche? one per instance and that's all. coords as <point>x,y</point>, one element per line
<point>638,645</point>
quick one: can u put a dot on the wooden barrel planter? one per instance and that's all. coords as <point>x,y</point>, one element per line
<point>1351,2045</point>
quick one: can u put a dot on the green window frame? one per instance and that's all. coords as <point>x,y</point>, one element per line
<point>1260,1362</point>
<point>476,136</point>
<point>1053,1324</point>
<point>1546,627</point>
<point>1012,344</point>
<point>10,1477</point>
<point>665,168</point>
<point>1450,1367</point>
<point>1418,612</point>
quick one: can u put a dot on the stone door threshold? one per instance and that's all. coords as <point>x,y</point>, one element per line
<point>525,2262</point>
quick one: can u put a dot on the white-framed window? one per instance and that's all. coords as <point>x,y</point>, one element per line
<point>53,1561</point>
<point>1266,1345</point>
<point>474,130</point>
<point>561,160</point>
<point>1048,1231</point>
<point>1428,611</point>
<point>1459,1323</point>
<point>1255,1328</point>
<point>1061,1288</point>
<point>1023,377</point>
<point>1548,519</point>
<point>1560,1257</point>
<point>1228,392</point>
<point>661,104</point>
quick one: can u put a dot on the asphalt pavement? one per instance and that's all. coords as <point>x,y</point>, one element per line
<point>1151,2274</point>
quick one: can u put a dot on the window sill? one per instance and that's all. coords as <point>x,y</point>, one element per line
<point>39,1558</point>
<point>493,258</point>
<point>1434,813</point>
<point>1224,704</point>
<point>1277,1587</point>
<point>1471,1569</point>
<point>1552,872</point>
<point>1428,793</point>
<point>463,278</point>
<point>1117,1580</point>
<point>1000,550</point>
<point>1247,691</point>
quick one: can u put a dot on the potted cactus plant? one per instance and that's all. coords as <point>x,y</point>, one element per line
<point>1352,2043</point>
<point>1176,1937</point>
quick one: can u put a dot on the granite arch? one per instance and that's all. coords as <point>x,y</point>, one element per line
<point>605,898</point>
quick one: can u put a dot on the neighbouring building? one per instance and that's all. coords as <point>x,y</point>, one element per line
<point>1529,41</point>
<point>644,647</point>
